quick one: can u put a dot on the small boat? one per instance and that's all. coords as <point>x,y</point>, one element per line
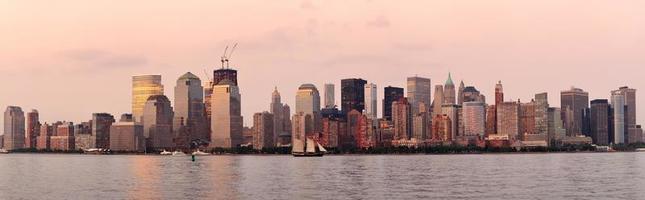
<point>640,150</point>
<point>94,151</point>
<point>4,151</point>
<point>165,153</point>
<point>178,153</point>
<point>200,153</point>
<point>310,148</point>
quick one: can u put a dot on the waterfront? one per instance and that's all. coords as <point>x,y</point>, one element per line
<point>473,176</point>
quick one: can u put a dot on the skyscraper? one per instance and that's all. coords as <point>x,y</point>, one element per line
<point>541,113</point>
<point>277,110</point>
<point>452,111</point>
<point>474,115</point>
<point>449,91</point>
<point>437,103</point>
<point>556,129</point>
<point>33,129</point>
<point>471,93</point>
<point>575,101</point>
<point>226,118</point>
<point>352,94</point>
<point>402,119</point>
<point>330,100</point>
<point>499,93</point>
<point>508,119</point>
<point>600,121</point>
<point>527,120</point>
<point>308,102</point>
<point>143,87</point>
<point>222,74</point>
<point>101,123</point>
<point>619,123</point>
<point>263,130</point>
<point>419,92</point>
<point>460,93</point>
<point>157,122</point>
<point>127,135</point>
<point>302,126</point>
<point>189,107</point>
<point>630,111</point>
<point>14,128</point>
<point>370,101</point>
<point>390,94</point>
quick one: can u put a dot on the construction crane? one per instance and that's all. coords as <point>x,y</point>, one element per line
<point>229,55</point>
<point>224,59</point>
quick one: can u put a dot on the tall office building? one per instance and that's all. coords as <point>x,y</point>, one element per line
<point>226,117</point>
<point>460,93</point>
<point>101,123</point>
<point>390,94</point>
<point>157,122</point>
<point>527,117</point>
<point>421,129</point>
<point>442,128</point>
<point>574,102</point>
<point>471,93</point>
<point>600,121</point>
<point>33,129</point>
<point>437,103</point>
<point>143,87</point>
<point>419,92</point>
<point>619,115</point>
<point>630,111</point>
<point>370,101</point>
<point>452,111</point>
<point>555,129</point>
<point>449,91</point>
<point>308,102</point>
<point>63,139</point>
<point>127,135</point>
<point>499,93</point>
<point>541,113</point>
<point>352,94</point>
<point>14,128</point>
<point>189,107</point>
<point>402,119</point>
<point>330,100</point>
<point>280,118</point>
<point>508,122</point>
<point>491,120</point>
<point>263,130</point>
<point>474,117</point>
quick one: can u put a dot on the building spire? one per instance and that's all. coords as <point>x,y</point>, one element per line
<point>449,81</point>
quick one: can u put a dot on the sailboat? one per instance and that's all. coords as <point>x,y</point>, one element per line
<point>310,148</point>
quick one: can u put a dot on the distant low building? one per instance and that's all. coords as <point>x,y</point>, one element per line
<point>127,135</point>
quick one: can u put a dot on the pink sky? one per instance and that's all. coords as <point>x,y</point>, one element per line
<point>69,59</point>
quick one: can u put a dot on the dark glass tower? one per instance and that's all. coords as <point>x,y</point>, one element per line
<point>390,95</point>
<point>352,94</point>
<point>600,121</point>
<point>224,73</point>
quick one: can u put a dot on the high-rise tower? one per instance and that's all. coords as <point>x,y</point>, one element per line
<point>574,102</point>
<point>189,106</point>
<point>226,118</point>
<point>14,128</point>
<point>330,100</point>
<point>370,101</point>
<point>390,94</point>
<point>419,92</point>
<point>449,91</point>
<point>352,95</point>
<point>143,87</point>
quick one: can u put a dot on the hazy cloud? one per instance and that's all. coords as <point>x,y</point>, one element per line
<point>379,22</point>
<point>96,58</point>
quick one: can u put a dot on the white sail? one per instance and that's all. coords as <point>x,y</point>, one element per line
<point>311,146</point>
<point>320,147</point>
<point>298,146</point>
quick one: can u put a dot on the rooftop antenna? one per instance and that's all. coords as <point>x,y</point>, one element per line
<point>229,55</point>
<point>224,56</point>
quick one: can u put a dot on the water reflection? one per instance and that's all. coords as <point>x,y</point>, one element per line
<point>146,171</point>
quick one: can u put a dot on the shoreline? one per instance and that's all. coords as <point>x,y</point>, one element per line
<point>332,154</point>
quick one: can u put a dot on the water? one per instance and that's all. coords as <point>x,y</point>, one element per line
<point>489,176</point>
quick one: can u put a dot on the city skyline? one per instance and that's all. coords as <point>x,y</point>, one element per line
<point>99,66</point>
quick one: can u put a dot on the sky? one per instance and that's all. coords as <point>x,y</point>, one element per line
<point>71,58</point>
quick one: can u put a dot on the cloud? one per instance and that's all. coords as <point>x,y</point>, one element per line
<point>307,5</point>
<point>379,22</point>
<point>96,58</point>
